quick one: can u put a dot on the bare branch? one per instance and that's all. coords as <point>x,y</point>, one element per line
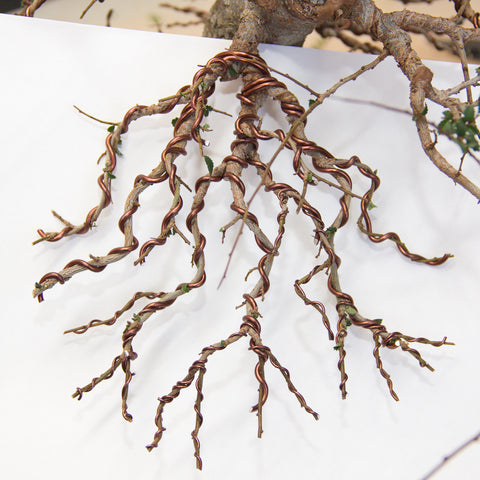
<point>451,455</point>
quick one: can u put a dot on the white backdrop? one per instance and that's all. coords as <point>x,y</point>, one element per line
<point>48,160</point>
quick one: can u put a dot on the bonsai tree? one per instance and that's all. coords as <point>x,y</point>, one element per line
<point>248,23</point>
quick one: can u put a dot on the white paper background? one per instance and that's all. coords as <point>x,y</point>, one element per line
<point>48,160</point>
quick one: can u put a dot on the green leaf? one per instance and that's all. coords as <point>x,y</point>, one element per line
<point>460,128</point>
<point>348,322</point>
<point>136,317</point>
<point>185,288</point>
<point>209,163</point>
<point>337,346</point>
<point>174,121</point>
<point>310,177</point>
<point>203,85</point>
<point>424,111</point>
<point>111,175</point>
<point>441,125</point>
<point>232,71</point>
<point>255,315</point>
<point>206,127</point>
<point>331,230</point>
<point>378,320</point>
<point>469,114</point>
<point>446,126</point>
<point>350,310</point>
<point>447,114</point>
<point>222,343</point>
<point>111,128</point>
<point>311,102</point>
<point>207,109</point>
<point>38,285</point>
<point>473,144</point>
<point>371,206</point>
<point>474,129</point>
<point>375,171</point>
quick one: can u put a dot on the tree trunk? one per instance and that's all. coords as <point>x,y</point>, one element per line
<point>286,22</point>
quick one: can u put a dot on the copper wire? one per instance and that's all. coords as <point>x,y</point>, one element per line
<point>243,155</point>
<point>291,387</point>
<point>95,381</point>
<point>378,238</point>
<point>199,417</point>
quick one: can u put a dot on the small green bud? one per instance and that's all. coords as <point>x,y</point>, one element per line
<point>111,128</point>
<point>350,310</point>
<point>185,288</point>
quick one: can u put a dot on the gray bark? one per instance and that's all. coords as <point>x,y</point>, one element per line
<point>285,22</point>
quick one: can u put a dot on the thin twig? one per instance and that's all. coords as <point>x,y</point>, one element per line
<point>462,447</point>
<point>454,90</point>
<point>95,118</point>
<point>109,18</point>
<point>320,99</point>
<point>295,125</point>
<point>88,7</point>
<point>464,61</point>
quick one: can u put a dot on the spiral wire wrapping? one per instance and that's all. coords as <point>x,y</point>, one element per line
<point>365,223</point>
<point>243,155</point>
